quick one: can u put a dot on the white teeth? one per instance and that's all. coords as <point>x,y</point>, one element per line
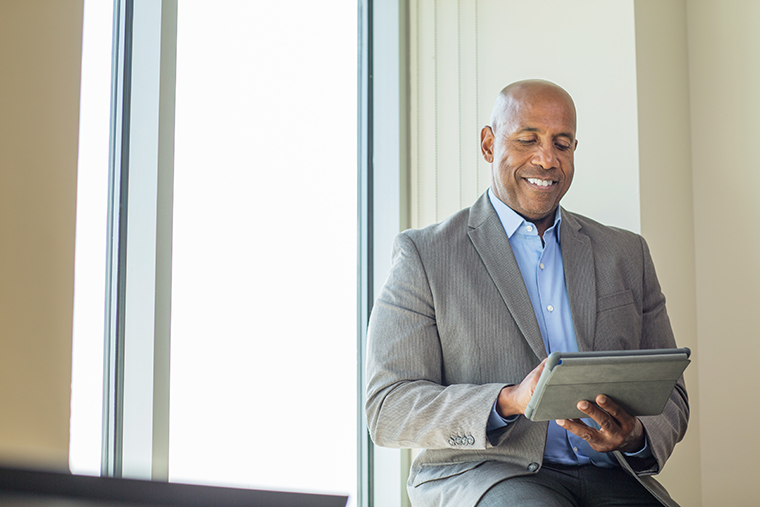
<point>541,183</point>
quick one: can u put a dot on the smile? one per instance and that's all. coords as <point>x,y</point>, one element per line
<point>540,183</point>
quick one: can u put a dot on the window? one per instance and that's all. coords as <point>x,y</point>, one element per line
<point>263,329</point>
<point>92,212</point>
<point>262,242</point>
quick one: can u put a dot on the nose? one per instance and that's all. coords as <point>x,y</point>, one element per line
<point>545,157</point>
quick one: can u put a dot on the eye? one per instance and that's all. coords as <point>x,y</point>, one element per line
<point>563,147</point>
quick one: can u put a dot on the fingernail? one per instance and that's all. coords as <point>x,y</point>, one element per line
<point>582,405</point>
<point>561,422</point>
<point>602,399</point>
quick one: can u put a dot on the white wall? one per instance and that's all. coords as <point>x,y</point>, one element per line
<point>462,54</point>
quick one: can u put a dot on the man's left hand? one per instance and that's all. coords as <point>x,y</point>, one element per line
<point>618,430</point>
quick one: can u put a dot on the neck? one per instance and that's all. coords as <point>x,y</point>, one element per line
<point>542,224</point>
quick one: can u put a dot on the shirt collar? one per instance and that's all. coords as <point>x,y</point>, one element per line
<point>511,220</point>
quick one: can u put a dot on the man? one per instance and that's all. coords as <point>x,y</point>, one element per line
<point>472,307</point>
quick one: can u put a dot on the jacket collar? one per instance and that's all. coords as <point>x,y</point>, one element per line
<point>490,241</point>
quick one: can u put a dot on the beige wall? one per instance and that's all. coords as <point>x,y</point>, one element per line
<point>724,79</point>
<point>40,53</point>
<point>667,202</point>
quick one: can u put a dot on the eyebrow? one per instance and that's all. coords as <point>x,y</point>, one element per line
<point>534,129</point>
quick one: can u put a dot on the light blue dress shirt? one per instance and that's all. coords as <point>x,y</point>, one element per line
<point>542,270</point>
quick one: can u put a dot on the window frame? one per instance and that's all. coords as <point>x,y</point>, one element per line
<point>136,363</point>
<point>139,241</point>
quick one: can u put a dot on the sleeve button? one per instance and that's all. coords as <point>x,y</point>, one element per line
<point>533,467</point>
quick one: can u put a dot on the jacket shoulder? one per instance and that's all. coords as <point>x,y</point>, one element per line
<point>441,233</point>
<point>599,232</point>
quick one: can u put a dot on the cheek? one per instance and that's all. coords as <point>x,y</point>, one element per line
<point>507,178</point>
<point>569,175</point>
<point>568,168</point>
<point>508,167</point>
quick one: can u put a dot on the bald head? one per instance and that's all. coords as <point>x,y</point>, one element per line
<point>516,96</point>
<point>530,145</point>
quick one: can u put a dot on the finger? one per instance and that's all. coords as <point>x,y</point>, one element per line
<point>533,377</point>
<point>581,429</point>
<point>540,368</point>
<point>597,414</point>
<point>576,426</point>
<point>608,414</point>
<point>631,431</point>
<point>616,411</point>
<point>620,421</point>
<point>600,441</point>
<point>570,423</point>
<point>610,435</point>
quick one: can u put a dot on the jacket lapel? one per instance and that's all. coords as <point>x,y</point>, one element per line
<point>492,244</point>
<point>580,278</point>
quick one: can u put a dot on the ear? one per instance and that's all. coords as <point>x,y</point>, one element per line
<point>486,143</point>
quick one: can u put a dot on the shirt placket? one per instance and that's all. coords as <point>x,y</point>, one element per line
<point>547,295</point>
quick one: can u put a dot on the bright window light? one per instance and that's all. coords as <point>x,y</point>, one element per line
<point>92,219</point>
<point>263,367</point>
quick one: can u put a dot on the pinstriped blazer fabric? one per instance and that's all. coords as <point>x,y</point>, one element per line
<point>454,324</point>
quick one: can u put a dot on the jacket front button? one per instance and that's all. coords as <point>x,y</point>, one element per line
<point>452,442</point>
<point>533,467</point>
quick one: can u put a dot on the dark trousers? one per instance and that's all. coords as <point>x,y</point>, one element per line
<point>569,486</point>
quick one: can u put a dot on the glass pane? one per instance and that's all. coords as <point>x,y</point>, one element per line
<point>263,369</point>
<point>92,219</point>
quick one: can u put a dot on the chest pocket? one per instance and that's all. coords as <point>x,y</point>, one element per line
<point>613,301</point>
<point>618,323</point>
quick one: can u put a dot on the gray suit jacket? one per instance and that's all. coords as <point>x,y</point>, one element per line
<point>454,324</point>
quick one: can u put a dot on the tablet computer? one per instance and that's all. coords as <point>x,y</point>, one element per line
<point>640,381</point>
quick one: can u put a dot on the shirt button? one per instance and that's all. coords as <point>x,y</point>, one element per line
<point>541,265</point>
<point>550,308</point>
<point>529,228</point>
<point>575,449</point>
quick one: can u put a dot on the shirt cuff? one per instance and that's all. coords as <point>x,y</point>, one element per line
<point>645,452</point>
<point>495,421</point>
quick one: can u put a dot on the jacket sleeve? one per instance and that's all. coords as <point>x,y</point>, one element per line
<point>408,404</point>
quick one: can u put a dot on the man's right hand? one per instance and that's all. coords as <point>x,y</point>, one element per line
<point>514,399</point>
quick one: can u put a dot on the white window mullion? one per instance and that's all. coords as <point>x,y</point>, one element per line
<point>141,423</point>
<point>390,161</point>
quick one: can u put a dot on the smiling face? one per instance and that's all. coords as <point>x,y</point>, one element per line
<point>530,146</point>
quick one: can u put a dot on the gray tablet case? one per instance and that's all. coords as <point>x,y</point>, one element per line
<point>639,380</point>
